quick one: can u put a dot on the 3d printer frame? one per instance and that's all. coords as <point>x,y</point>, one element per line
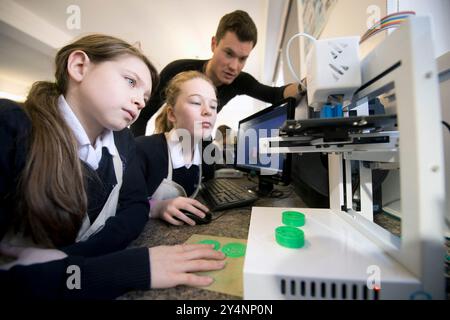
<point>408,137</point>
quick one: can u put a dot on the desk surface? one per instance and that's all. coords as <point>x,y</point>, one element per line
<point>234,223</point>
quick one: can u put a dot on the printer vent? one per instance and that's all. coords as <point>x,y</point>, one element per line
<point>309,289</point>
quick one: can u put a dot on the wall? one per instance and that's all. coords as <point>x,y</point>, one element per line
<point>353,18</point>
<point>167,30</point>
<point>15,65</point>
<point>292,28</point>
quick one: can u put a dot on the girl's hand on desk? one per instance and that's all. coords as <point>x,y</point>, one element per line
<point>169,210</point>
<point>171,266</point>
<point>28,255</point>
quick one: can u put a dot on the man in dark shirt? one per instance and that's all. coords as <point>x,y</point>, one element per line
<point>235,38</point>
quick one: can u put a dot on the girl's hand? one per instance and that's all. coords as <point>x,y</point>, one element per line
<point>169,210</point>
<point>173,265</point>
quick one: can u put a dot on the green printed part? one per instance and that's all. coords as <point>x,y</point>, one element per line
<point>290,237</point>
<point>293,218</point>
<point>210,241</point>
<point>234,249</point>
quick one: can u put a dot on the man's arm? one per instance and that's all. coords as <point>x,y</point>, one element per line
<point>248,85</point>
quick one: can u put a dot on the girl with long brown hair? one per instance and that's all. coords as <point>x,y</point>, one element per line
<point>70,190</point>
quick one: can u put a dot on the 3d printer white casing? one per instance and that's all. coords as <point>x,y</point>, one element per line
<point>333,65</point>
<point>344,245</point>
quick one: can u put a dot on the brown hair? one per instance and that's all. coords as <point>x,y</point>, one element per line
<point>51,187</point>
<point>162,123</point>
<point>241,24</point>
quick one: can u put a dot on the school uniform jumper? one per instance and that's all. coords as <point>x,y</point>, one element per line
<point>107,270</point>
<point>164,171</point>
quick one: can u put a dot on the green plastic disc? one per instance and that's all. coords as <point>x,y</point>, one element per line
<point>290,237</point>
<point>210,241</point>
<point>234,249</point>
<point>293,218</point>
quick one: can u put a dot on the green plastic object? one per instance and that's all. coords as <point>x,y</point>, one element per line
<point>210,241</point>
<point>290,237</point>
<point>293,218</point>
<point>234,249</point>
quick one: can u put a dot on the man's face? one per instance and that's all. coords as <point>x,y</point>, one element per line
<point>229,58</point>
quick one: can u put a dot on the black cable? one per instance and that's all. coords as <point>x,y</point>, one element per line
<point>275,193</point>
<point>249,178</point>
<point>446,125</point>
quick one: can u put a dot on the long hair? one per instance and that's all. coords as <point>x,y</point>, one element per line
<point>172,91</point>
<point>53,200</point>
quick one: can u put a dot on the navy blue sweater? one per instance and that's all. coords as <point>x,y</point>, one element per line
<point>152,156</point>
<point>98,254</point>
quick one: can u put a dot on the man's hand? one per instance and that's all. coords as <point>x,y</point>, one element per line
<point>296,90</point>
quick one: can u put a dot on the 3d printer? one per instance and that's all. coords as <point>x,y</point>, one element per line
<point>346,255</point>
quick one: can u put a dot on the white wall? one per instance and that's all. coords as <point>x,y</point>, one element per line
<point>353,18</point>
<point>238,108</point>
<point>167,30</point>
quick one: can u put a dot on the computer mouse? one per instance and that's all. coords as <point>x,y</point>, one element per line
<point>197,219</point>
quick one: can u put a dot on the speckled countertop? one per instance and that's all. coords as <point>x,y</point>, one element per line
<point>232,223</point>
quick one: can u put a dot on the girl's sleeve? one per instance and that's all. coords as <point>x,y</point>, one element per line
<point>78,277</point>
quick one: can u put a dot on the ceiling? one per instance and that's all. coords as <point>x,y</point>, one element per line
<point>31,32</point>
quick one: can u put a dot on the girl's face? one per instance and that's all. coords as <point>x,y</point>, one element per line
<point>113,93</point>
<point>195,109</point>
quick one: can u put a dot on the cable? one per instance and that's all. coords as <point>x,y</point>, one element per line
<point>446,125</point>
<point>387,22</point>
<point>275,193</point>
<point>288,59</point>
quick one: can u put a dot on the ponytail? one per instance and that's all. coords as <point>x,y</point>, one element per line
<point>162,123</point>
<point>54,200</point>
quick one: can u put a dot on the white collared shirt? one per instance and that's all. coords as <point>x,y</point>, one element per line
<point>176,151</point>
<point>86,152</point>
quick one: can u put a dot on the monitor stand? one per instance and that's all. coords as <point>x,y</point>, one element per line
<point>265,186</point>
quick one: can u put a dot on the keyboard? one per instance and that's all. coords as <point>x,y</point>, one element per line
<point>221,194</point>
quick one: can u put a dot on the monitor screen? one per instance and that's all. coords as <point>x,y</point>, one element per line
<point>265,123</point>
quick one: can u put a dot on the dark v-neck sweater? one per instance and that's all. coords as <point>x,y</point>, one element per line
<point>107,270</point>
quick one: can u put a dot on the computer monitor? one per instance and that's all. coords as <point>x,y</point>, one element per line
<point>270,168</point>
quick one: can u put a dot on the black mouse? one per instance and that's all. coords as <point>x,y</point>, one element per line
<point>197,219</point>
